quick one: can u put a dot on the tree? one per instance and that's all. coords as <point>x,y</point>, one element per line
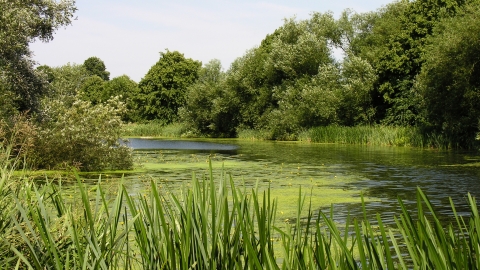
<point>163,89</point>
<point>66,83</point>
<point>95,66</point>
<point>93,90</point>
<point>450,78</point>
<point>393,44</point>
<point>293,52</point>
<point>126,89</point>
<point>47,72</point>
<point>306,103</point>
<point>22,22</point>
<point>209,109</point>
<point>357,86</point>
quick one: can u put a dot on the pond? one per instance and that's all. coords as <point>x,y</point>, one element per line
<point>330,174</point>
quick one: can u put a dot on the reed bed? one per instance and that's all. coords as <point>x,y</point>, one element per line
<point>175,130</point>
<point>374,135</point>
<point>254,134</point>
<point>215,224</point>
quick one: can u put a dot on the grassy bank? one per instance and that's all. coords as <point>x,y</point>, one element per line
<point>214,224</point>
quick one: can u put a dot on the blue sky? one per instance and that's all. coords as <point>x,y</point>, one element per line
<point>129,35</point>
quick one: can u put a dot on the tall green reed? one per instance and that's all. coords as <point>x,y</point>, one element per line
<point>53,233</point>
<point>208,226</point>
<point>384,135</point>
<point>153,129</point>
<point>218,224</point>
<point>372,135</point>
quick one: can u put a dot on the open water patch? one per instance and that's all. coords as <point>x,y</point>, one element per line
<point>148,144</point>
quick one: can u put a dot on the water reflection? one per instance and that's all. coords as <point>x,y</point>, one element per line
<point>142,144</point>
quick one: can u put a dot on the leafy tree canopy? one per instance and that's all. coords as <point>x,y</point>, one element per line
<point>93,90</point>
<point>127,90</point>
<point>162,90</point>
<point>96,67</point>
<point>450,78</point>
<point>67,81</point>
<point>22,22</point>
<point>209,109</point>
<point>295,50</point>
<point>393,41</point>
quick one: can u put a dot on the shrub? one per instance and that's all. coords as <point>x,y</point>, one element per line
<point>82,135</point>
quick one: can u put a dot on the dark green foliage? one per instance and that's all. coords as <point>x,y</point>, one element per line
<point>93,89</point>
<point>449,81</point>
<point>8,104</point>
<point>47,72</point>
<point>209,109</point>
<point>162,90</point>
<point>398,60</point>
<point>127,90</point>
<point>21,22</point>
<point>357,87</point>
<point>96,67</point>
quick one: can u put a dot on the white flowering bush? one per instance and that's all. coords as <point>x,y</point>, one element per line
<point>81,135</point>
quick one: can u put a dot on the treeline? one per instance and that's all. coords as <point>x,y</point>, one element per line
<point>410,64</point>
<point>407,64</point>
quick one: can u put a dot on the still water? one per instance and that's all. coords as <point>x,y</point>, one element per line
<point>329,174</point>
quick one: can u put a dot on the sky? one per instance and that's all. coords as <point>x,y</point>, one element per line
<point>129,35</point>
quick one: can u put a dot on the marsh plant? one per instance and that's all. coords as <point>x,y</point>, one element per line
<point>155,129</point>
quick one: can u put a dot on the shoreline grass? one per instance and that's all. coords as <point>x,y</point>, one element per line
<point>174,130</point>
<point>368,135</point>
<point>377,135</point>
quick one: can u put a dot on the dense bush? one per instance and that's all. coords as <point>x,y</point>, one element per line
<point>81,135</point>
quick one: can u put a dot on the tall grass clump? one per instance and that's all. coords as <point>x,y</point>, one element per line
<point>381,135</point>
<point>154,129</point>
<point>255,134</point>
<point>16,143</point>
<point>51,232</point>
<point>209,226</point>
<point>216,224</point>
<point>367,135</point>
